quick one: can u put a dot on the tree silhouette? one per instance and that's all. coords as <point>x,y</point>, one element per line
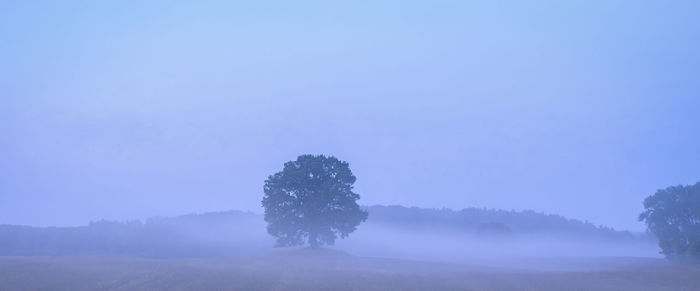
<point>673,215</point>
<point>312,200</point>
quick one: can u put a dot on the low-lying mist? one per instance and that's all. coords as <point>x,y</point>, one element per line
<point>469,236</point>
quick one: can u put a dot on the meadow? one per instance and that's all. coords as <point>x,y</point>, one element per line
<point>331,270</point>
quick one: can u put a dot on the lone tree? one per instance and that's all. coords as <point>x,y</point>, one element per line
<point>673,215</point>
<point>312,200</point>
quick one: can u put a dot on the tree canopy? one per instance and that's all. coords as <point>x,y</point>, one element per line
<point>311,200</point>
<point>673,215</point>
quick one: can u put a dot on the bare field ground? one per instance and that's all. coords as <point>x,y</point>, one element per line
<point>334,271</point>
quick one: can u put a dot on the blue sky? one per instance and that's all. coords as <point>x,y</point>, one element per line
<point>123,109</point>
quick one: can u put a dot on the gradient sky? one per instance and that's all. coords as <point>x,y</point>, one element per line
<point>129,109</point>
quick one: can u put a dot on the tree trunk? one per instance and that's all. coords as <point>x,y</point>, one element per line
<point>313,240</point>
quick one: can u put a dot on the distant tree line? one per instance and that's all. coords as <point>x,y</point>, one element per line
<point>214,234</point>
<point>479,221</point>
<point>234,233</point>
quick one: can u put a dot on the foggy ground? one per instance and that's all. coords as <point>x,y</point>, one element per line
<point>397,249</point>
<point>391,232</point>
<point>334,270</point>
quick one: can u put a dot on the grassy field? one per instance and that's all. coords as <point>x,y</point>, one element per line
<point>304,271</point>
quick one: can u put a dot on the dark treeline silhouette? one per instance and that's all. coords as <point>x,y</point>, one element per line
<point>202,235</point>
<point>236,233</point>
<point>478,220</point>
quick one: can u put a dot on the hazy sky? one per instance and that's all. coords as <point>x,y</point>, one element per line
<point>128,109</point>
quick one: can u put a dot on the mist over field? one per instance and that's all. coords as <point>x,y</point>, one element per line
<point>467,236</point>
<point>361,145</point>
<point>397,248</point>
